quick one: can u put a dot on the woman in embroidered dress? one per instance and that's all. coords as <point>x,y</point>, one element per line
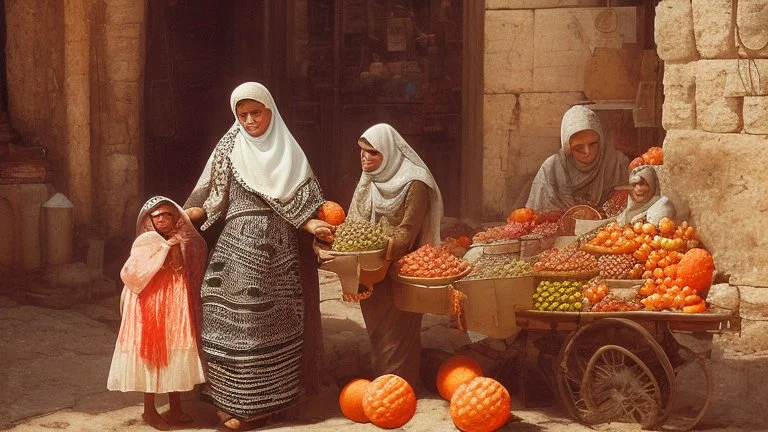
<point>396,190</point>
<point>157,347</point>
<point>254,309</point>
<point>584,171</point>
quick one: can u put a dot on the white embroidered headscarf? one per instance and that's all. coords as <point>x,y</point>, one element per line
<point>562,181</point>
<point>383,192</point>
<point>272,164</point>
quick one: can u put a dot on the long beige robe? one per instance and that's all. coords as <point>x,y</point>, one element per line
<point>396,335</point>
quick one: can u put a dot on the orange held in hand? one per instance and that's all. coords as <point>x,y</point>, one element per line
<point>455,371</point>
<point>351,400</point>
<point>482,405</point>
<point>331,212</point>
<point>389,401</point>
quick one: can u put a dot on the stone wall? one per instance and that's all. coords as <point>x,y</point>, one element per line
<point>716,151</point>
<point>535,56</point>
<point>75,73</point>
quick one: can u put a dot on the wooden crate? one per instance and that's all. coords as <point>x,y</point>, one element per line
<point>491,304</point>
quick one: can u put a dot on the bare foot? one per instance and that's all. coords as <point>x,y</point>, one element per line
<point>178,417</point>
<point>156,421</point>
<point>243,425</point>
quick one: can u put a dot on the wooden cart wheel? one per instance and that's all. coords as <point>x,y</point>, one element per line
<point>582,345</point>
<point>618,386</point>
<point>685,419</point>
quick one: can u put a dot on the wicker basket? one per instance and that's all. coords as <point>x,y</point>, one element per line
<point>417,298</point>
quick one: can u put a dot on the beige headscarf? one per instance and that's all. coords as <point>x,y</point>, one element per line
<point>563,182</point>
<point>383,192</point>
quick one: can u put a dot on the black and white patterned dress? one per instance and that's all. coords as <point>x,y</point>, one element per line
<point>252,304</point>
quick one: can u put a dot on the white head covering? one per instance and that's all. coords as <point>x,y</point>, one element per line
<point>563,182</point>
<point>273,163</point>
<point>382,192</point>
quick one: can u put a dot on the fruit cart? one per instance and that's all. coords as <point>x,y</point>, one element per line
<point>631,366</point>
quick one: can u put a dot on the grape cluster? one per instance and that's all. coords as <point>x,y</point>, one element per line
<point>494,267</point>
<point>565,259</point>
<point>616,266</point>
<point>561,296</point>
<point>355,235</point>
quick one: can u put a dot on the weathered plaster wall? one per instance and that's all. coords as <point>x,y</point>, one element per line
<point>75,86</point>
<point>715,154</point>
<point>535,56</point>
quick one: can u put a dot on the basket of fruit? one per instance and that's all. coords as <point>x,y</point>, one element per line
<point>499,267</point>
<point>362,238</point>
<point>432,266</point>
<point>558,296</point>
<point>567,262</point>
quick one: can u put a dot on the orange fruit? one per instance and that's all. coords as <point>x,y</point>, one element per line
<point>455,371</point>
<point>389,401</point>
<point>331,212</point>
<point>481,405</point>
<point>351,400</point>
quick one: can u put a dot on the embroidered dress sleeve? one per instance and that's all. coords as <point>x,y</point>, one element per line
<point>405,234</point>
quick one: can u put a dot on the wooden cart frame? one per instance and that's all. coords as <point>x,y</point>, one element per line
<point>624,366</point>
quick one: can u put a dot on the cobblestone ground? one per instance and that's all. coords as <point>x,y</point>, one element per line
<point>55,365</point>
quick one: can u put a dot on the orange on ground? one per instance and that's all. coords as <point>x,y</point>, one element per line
<point>351,400</point>
<point>482,405</point>
<point>389,401</point>
<point>455,371</point>
<point>331,212</point>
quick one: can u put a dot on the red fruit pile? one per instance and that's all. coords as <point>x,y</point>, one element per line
<point>431,262</point>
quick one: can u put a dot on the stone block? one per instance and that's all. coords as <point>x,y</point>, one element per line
<point>753,303</point>
<point>541,113</point>
<point>751,16</point>
<point>679,96</point>
<point>747,78</point>
<point>722,178</point>
<point>508,51</point>
<point>534,150</point>
<point>713,28</point>
<point>714,111</point>
<point>724,296</point>
<point>673,31</point>
<point>755,113</point>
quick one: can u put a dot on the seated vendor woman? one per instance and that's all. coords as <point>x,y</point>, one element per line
<point>584,171</point>
<point>645,202</point>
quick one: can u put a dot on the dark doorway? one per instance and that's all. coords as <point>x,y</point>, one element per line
<point>334,67</point>
<point>197,52</point>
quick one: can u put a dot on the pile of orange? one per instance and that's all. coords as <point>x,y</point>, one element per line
<point>388,401</point>
<point>477,403</point>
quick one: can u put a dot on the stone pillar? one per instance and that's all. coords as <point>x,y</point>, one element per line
<point>78,107</point>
